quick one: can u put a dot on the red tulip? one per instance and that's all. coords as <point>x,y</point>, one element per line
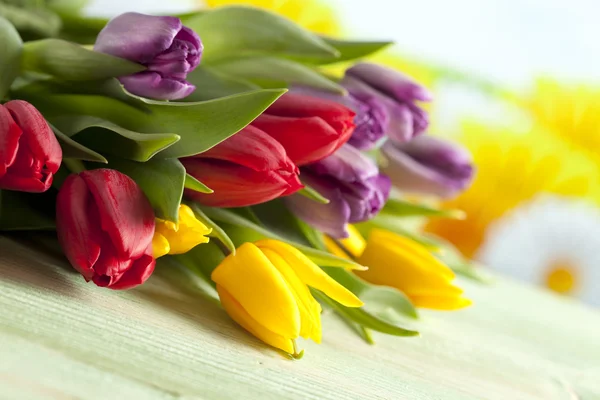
<point>29,152</point>
<point>309,128</point>
<point>105,226</point>
<point>248,168</point>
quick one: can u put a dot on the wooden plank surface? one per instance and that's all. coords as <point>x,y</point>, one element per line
<point>61,338</point>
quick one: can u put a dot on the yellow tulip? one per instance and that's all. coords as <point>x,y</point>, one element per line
<point>170,238</point>
<point>264,288</point>
<point>354,244</point>
<point>404,264</point>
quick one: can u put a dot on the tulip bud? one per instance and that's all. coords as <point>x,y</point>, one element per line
<point>248,168</point>
<point>309,128</point>
<point>105,226</point>
<point>404,264</point>
<point>29,152</point>
<point>168,49</point>
<point>371,119</point>
<point>171,238</point>
<point>352,183</point>
<point>428,165</point>
<point>387,91</point>
<point>264,287</point>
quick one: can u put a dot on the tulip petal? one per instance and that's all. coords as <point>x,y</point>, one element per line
<point>254,282</point>
<point>310,273</point>
<point>152,85</point>
<point>125,213</point>
<point>10,133</point>
<point>347,164</point>
<point>390,81</point>
<point>241,316</point>
<point>237,186</point>
<point>404,264</point>
<point>137,37</point>
<point>160,245</point>
<point>138,273</point>
<point>305,139</point>
<point>254,149</point>
<point>76,233</point>
<point>441,302</point>
<point>309,314</point>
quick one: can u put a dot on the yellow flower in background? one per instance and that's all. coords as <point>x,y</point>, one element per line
<point>315,15</point>
<point>570,112</point>
<point>264,287</point>
<point>170,238</point>
<point>513,167</point>
<point>404,264</point>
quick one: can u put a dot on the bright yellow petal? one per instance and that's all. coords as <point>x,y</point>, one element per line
<point>334,249</point>
<point>260,288</point>
<point>441,302</point>
<point>355,243</point>
<point>160,245</point>
<point>306,303</point>
<point>186,235</point>
<point>310,273</point>
<point>239,315</point>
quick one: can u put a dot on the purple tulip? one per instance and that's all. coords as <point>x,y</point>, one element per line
<point>428,165</point>
<point>168,49</point>
<point>352,183</point>
<point>371,118</point>
<point>390,98</point>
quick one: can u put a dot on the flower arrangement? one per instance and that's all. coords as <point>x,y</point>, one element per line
<point>217,143</point>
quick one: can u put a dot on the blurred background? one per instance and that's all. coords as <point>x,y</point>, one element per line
<point>517,82</point>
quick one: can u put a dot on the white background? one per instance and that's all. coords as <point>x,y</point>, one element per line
<point>508,41</point>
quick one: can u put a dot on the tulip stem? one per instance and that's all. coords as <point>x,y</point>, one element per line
<point>224,249</point>
<point>74,165</point>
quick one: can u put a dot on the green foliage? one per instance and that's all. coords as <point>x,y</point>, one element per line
<point>70,61</point>
<point>11,48</point>
<point>237,31</point>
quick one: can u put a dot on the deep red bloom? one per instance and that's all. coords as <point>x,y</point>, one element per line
<point>105,226</point>
<point>29,152</point>
<point>309,128</point>
<point>248,168</point>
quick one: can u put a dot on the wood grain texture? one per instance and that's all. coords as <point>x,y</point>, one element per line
<point>61,338</point>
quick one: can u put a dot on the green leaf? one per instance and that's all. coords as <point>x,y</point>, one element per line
<point>195,185</point>
<point>266,68</point>
<point>351,50</point>
<point>312,194</point>
<point>205,124</point>
<point>237,30</point>
<point>110,138</point>
<point>217,231</point>
<point>70,61</point>
<point>275,216</point>
<point>72,149</point>
<point>378,299</point>
<point>364,319</point>
<point>21,211</point>
<point>11,47</point>
<point>212,83</point>
<point>202,260</point>
<point>201,125</point>
<point>31,23</point>
<point>67,7</point>
<point>319,257</point>
<point>160,179</point>
<point>402,208</point>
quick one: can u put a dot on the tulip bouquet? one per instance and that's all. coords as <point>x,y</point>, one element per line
<point>218,143</point>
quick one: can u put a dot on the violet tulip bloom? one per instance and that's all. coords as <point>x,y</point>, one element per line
<point>389,103</point>
<point>168,49</point>
<point>352,183</point>
<point>428,165</point>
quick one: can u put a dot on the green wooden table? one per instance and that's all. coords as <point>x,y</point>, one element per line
<point>61,338</point>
